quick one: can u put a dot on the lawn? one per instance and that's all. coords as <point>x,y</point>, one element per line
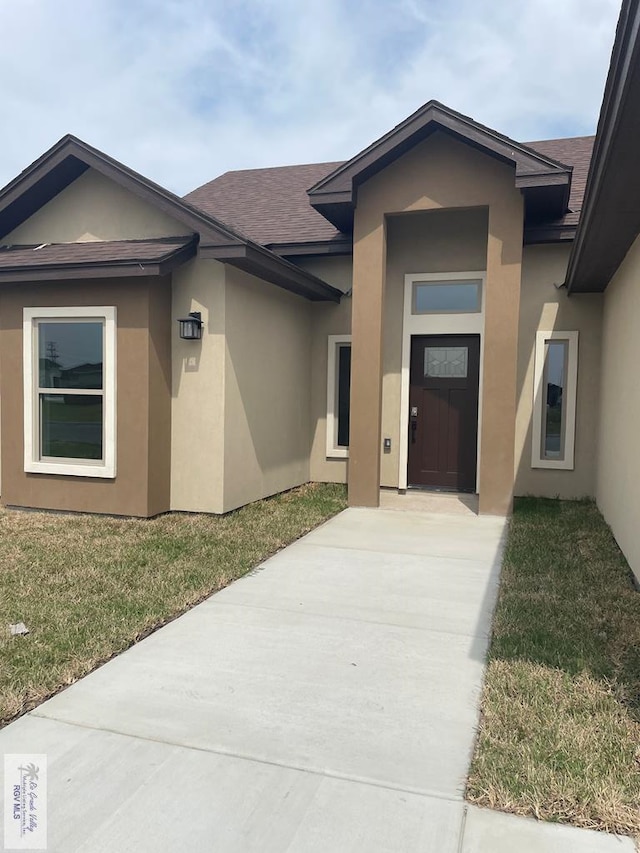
<point>560,728</point>
<point>88,587</point>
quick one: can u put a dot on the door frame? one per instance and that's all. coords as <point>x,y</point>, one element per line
<point>436,324</point>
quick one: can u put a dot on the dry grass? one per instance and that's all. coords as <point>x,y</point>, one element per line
<point>88,587</point>
<point>560,731</point>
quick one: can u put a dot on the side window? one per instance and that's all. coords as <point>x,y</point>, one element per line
<point>554,408</point>
<point>338,395</point>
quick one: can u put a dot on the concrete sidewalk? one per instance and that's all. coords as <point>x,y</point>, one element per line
<point>325,703</point>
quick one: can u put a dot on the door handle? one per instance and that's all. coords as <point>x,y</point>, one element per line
<point>414,427</point>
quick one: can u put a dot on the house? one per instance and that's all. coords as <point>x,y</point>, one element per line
<point>447,309</point>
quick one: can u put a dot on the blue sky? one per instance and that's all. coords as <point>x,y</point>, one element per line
<point>184,90</point>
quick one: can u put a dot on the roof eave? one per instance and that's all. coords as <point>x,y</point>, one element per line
<point>128,268</point>
<point>264,264</point>
<point>605,233</point>
<point>313,247</point>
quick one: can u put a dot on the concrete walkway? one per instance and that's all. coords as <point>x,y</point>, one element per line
<point>325,703</point>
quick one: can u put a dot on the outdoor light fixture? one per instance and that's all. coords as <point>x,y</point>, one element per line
<point>191,326</point>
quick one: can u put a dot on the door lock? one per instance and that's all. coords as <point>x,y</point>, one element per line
<point>414,423</point>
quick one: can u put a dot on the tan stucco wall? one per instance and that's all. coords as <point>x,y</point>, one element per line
<point>142,401</point>
<point>267,389</point>
<point>327,318</point>
<point>336,270</point>
<point>618,472</point>
<point>94,207</point>
<point>435,241</point>
<point>543,307</point>
<point>197,407</point>
<point>441,172</point>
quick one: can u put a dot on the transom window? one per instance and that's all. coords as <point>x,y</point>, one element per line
<point>69,373</point>
<point>447,297</point>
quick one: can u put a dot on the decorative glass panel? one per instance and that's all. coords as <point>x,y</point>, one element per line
<point>344,391</point>
<point>71,426</point>
<point>446,362</point>
<point>554,384</point>
<point>446,297</point>
<point>70,355</point>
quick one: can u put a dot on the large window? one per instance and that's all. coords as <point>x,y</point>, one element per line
<point>69,391</point>
<point>338,395</point>
<point>554,410</point>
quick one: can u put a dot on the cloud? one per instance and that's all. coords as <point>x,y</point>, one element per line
<point>183,90</point>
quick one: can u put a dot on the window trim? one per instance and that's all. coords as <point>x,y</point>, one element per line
<point>567,463</point>
<point>33,464</point>
<point>332,449</point>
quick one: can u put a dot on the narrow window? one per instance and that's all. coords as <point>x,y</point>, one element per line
<point>338,395</point>
<point>556,363</point>
<point>69,378</point>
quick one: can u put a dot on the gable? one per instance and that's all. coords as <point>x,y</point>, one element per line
<point>545,182</point>
<point>440,171</point>
<point>95,208</point>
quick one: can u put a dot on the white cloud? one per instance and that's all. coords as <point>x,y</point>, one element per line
<point>183,90</point>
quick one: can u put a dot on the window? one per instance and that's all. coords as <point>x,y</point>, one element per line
<point>69,391</point>
<point>338,395</point>
<point>447,297</point>
<point>554,406</point>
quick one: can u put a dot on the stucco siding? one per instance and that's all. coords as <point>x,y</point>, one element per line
<point>197,406</point>
<point>142,399</point>
<point>437,174</point>
<point>436,241</point>
<point>267,389</point>
<point>544,307</point>
<point>94,207</point>
<point>336,270</point>
<point>618,472</point>
<point>326,319</point>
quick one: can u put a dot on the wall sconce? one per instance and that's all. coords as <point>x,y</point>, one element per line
<point>191,326</point>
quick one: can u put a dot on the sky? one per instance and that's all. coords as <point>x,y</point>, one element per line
<point>184,90</point>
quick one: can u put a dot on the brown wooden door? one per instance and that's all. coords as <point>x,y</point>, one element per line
<point>443,411</point>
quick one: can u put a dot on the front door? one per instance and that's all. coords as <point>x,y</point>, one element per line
<point>443,411</point>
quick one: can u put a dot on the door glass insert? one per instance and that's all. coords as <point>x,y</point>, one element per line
<point>446,362</point>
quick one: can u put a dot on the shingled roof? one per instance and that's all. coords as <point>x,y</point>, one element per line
<point>96,258</point>
<point>271,205</point>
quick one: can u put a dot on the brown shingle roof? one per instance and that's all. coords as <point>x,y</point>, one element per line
<point>72,254</point>
<point>575,152</point>
<point>271,205</point>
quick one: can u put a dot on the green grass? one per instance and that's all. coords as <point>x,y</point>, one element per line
<point>560,730</point>
<point>87,587</point>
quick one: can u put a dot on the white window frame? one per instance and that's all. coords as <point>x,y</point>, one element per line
<point>569,400</point>
<point>332,449</point>
<point>33,463</point>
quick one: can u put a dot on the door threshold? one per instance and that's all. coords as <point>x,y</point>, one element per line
<point>441,490</point>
